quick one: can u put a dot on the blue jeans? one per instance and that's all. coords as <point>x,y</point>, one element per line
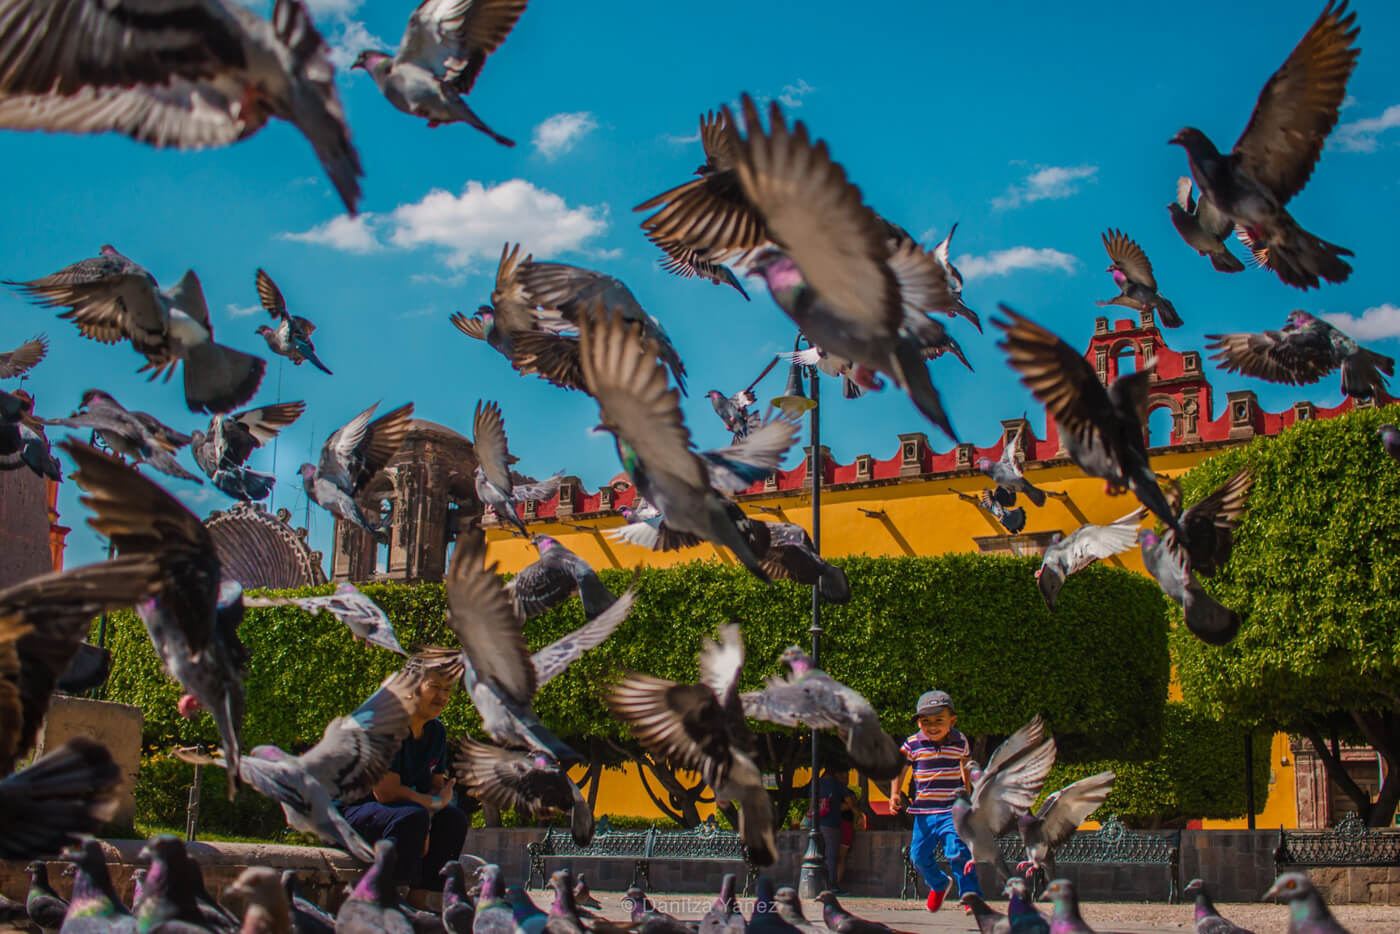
<point>409,826</point>
<point>929,831</point>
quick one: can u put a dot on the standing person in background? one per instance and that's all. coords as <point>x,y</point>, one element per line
<point>851,816</point>
<point>937,756</point>
<point>833,798</point>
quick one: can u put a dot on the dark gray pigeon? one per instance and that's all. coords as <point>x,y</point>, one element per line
<point>458,909</point>
<point>554,578</point>
<point>291,338</point>
<point>373,905</point>
<point>529,919</point>
<point>1069,554</point>
<point>170,900</point>
<point>764,917</point>
<point>1008,786</point>
<point>22,439</point>
<point>1274,156</point>
<point>1056,820</point>
<point>701,727</point>
<point>56,798</point>
<point>1203,227</point>
<point>1065,918</point>
<point>225,447</point>
<point>583,896</point>
<point>1020,910</point>
<point>734,412</point>
<point>1007,474</point>
<point>44,906</point>
<point>723,916</point>
<point>111,299</point>
<point>1209,525</point>
<point>1390,440</point>
<point>307,916</point>
<point>790,910</point>
<point>23,358</point>
<point>497,485</point>
<point>526,781</point>
<point>1132,273</point>
<point>650,919</point>
<point>792,556</point>
<point>994,503</point>
<point>95,907</point>
<point>1167,561</point>
<point>1102,429</point>
<point>989,920</point>
<point>812,698</point>
<point>137,436</point>
<point>350,458</point>
<point>1306,350</point>
<point>1208,920</point>
<point>359,613</point>
<point>842,921</point>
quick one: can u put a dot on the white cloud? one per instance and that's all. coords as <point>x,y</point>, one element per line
<point>1045,183</point>
<point>560,133</point>
<point>327,8</point>
<point>347,37</point>
<point>197,496</point>
<point>1002,262</point>
<point>1378,323</point>
<point>929,236</point>
<point>682,140</point>
<point>241,311</point>
<point>792,94</point>
<point>1360,135</point>
<point>474,224</point>
<point>342,232</point>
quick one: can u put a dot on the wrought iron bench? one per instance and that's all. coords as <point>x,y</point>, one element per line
<point>1350,843</point>
<point>1111,844</point>
<point>707,843</point>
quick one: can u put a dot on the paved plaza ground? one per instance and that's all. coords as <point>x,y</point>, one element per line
<point>1155,918</point>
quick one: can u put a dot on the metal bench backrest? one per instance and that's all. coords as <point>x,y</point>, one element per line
<point>1350,843</point>
<point>607,843</point>
<point>708,841</point>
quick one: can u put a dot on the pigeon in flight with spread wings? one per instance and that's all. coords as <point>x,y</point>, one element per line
<point>23,358</point>
<point>359,613</point>
<point>291,338</point>
<point>1070,554</point>
<point>230,440</point>
<point>1057,818</point>
<point>1203,227</point>
<point>138,436</point>
<point>496,484</point>
<point>1008,475</point>
<point>1008,786</point>
<point>554,578</point>
<point>350,458</point>
<point>1132,273</point>
<point>524,780</point>
<point>1304,351</point>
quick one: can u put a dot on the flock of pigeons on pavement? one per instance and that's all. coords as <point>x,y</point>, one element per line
<point>768,202</point>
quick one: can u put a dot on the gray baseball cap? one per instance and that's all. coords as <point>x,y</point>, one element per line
<point>931,702</point>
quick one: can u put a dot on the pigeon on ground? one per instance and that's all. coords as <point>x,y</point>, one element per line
<point>1056,820</point>
<point>1304,351</point>
<point>843,922</point>
<point>1020,910</point>
<point>650,919</point>
<point>554,578</point>
<point>95,907</point>
<point>1008,475</point>
<point>138,886</point>
<point>1390,440</point>
<point>792,556</point>
<point>493,914</point>
<point>989,920</point>
<point>361,614</point>
<point>373,905</point>
<point>789,908</point>
<point>583,896</point>
<point>1008,786</point>
<point>955,282</point>
<point>499,674</point>
<point>440,55</point>
<point>350,458</point>
<point>1102,429</point>
<point>12,912</point>
<point>529,918</point>
<point>23,358</point>
<point>22,439</point>
<point>1070,554</point>
<point>563,912</point>
<point>525,780</point>
<point>1274,156</point>
<point>1208,920</point>
<point>645,419</point>
<point>193,619</point>
<point>1203,227</point>
<point>189,77</point>
<point>111,299</point>
<point>1169,564</point>
<point>47,619</point>
<point>812,698</point>
<point>497,485</point>
<point>307,916</point>
<point>354,753</point>
<point>43,904</point>
<point>291,338</point>
<point>266,908</point>
<point>137,436</point>
<point>734,412</point>
<point>230,440</point>
<point>701,727</point>
<point>457,908</point>
<point>1132,273</point>
<point>1065,919</point>
<point>1209,525</point>
<point>723,916</point>
<point>764,917</point>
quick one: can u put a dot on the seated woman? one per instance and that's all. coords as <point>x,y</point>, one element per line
<point>412,802</point>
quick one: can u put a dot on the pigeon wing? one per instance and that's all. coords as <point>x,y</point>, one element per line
<point>489,442</point>
<point>1090,543</point>
<point>684,722</point>
<point>360,449</point>
<point>551,660</point>
<point>470,325</point>
<point>270,295</point>
<point>1010,786</point>
<point>1210,524</point>
<point>1124,251</point>
<point>264,422</point>
<point>24,357</point>
<point>1069,807</point>
<point>508,778</point>
<point>1291,357</point>
<point>538,587</point>
<point>483,617</point>
<point>552,357</point>
<point>356,750</point>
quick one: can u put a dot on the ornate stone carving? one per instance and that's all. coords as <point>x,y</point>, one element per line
<point>260,550</point>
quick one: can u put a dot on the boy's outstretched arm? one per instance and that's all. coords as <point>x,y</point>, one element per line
<point>896,789</point>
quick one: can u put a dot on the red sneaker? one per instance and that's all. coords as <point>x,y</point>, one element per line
<point>935,900</point>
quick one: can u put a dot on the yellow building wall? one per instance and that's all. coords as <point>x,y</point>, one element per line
<point>915,516</point>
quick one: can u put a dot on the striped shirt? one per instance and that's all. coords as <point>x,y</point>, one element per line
<point>937,770</point>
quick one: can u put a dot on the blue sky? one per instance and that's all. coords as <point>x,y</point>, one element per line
<point>1035,127</point>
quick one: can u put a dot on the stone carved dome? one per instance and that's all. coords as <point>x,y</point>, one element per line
<point>261,550</point>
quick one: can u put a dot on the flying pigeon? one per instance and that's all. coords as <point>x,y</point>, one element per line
<point>373,905</point>
<point>701,727</point>
<point>266,906</point>
<point>230,440</point>
<point>1306,350</point>
<point>834,366</point>
<point>1065,919</point>
<point>1008,475</point>
<point>645,419</point>
<point>69,791</point>
<point>553,579</point>
<point>23,358</point>
<point>497,485</point>
<point>646,528</point>
<point>1067,555</point>
<point>1208,920</point>
<point>993,503</point>
<point>1168,563</point>
<point>1274,156</point>
<point>350,458</point>
<point>134,435</point>
<point>1203,227</point>
<point>955,282</point>
<point>1132,273</point>
<point>792,556</point>
<point>1102,428</point>
<point>354,753</point>
<point>1209,525</point>
<point>95,907</point>
<point>307,916</point>
<point>734,412</point>
<point>1005,788</point>
<point>189,77</point>
<point>812,698</point>
<point>193,619</point>
<point>989,920</point>
<point>23,442</point>
<point>361,614</point>
<point>842,921</point>
<point>526,781</point>
<point>440,55</point>
<point>1057,818</point>
<point>44,906</point>
<point>1390,440</point>
<point>458,910</point>
<point>111,299</point>
<point>291,338</point>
